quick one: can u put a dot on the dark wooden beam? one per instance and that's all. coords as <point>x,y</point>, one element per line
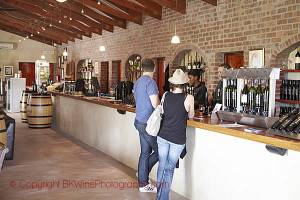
<point>212,2</point>
<point>29,28</point>
<point>109,10</point>
<point>154,12</point>
<point>70,35</point>
<point>76,7</point>
<point>34,10</point>
<point>131,12</point>
<point>21,33</point>
<point>178,5</point>
<point>67,29</point>
<point>91,25</point>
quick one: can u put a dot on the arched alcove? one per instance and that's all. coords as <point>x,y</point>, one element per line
<point>133,67</point>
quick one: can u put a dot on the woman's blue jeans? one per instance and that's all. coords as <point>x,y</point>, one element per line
<point>168,154</point>
<point>147,158</point>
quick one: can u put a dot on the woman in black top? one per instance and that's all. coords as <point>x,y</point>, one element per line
<point>172,135</point>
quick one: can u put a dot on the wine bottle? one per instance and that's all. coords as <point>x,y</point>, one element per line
<point>192,90</point>
<point>282,89</point>
<point>266,95</point>
<point>297,59</point>
<point>219,97</point>
<point>244,98</point>
<point>287,122</point>
<point>228,95</point>
<point>297,91</point>
<point>234,95</point>
<point>294,124</point>
<point>284,117</point>
<point>189,64</point>
<point>286,96</point>
<point>194,65</point>
<point>259,99</point>
<point>297,129</point>
<point>290,90</point>
<point>252,96</point>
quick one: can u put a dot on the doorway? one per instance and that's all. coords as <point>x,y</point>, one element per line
<point>28,72</point>
<point>234,59</point>
<point>104,77</point>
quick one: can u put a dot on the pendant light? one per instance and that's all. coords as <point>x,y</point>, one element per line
<point>102,47</point>
<point>175,38</point>
<point>65,53</point>
<point>61,1</point>
<point>43,57</point>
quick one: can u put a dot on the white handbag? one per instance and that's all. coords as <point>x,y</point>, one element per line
<point>153,123</point>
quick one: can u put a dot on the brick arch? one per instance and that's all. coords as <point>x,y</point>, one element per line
<point>124,60</point>
<point>280,52</point>
<point>182,48</point>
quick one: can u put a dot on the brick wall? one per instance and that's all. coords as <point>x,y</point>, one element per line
<point>231,26</point>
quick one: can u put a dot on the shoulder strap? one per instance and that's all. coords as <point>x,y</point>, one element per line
<point>162,102</point>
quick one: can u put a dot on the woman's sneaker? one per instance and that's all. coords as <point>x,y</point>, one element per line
<point>148,188</point>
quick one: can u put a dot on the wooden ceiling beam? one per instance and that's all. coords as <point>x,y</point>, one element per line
<point>34,10</point>
<point>134,13</point>
<point>156,13</point>
<point>107,22</point>
<point>91,25</point>
<point>68,29</point>
<point>212,2</point>
<point>109,10</point>
<point>16,31</point>
<point>29,31</point>
<point>178,5</point>
<point>27,27</point>
<point>51,30</point>
<point>70,35</point>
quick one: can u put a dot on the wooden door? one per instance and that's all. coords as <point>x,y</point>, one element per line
<point>104,77</point>
<point>28,72</point>
<point>115,74</point>
<point>161,75</point>
<point>235,60</point>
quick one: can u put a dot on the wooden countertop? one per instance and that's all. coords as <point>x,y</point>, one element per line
<point>211,124</point>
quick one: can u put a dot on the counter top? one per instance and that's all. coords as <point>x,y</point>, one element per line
<point>208,123</point>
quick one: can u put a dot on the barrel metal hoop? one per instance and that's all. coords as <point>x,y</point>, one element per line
<point>39,116</point>
<point>39,124</point>
<point>22,111</point>
<point>2,118</point>
<point>39,105</point>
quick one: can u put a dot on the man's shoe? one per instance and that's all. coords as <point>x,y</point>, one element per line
<point>148,188</point>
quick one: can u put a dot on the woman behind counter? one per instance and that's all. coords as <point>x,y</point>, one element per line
<point>171,138</point>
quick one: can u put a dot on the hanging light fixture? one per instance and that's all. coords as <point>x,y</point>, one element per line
<point>175,38</point>
<point>65,53</point>
<point>102,47</point>
<point>43,57</point>
<point>61,1</point>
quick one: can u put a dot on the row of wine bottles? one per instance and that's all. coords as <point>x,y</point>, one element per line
<point>289,122</point>
<point>285,109</point>
<point>253,100</point>
<point>289,90</point>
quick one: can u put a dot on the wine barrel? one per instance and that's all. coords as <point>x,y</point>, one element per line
<point>39,110</point>
<point>23,105</point>
<point>3,136</point>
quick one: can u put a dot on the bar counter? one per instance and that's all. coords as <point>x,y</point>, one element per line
<point>221,163</point>
<point>207,123</point>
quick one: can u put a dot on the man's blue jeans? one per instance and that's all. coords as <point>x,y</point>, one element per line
<point>147,158</point>
<point>168,154</point>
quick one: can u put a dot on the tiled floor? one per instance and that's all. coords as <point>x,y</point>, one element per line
<point>51,165</point>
